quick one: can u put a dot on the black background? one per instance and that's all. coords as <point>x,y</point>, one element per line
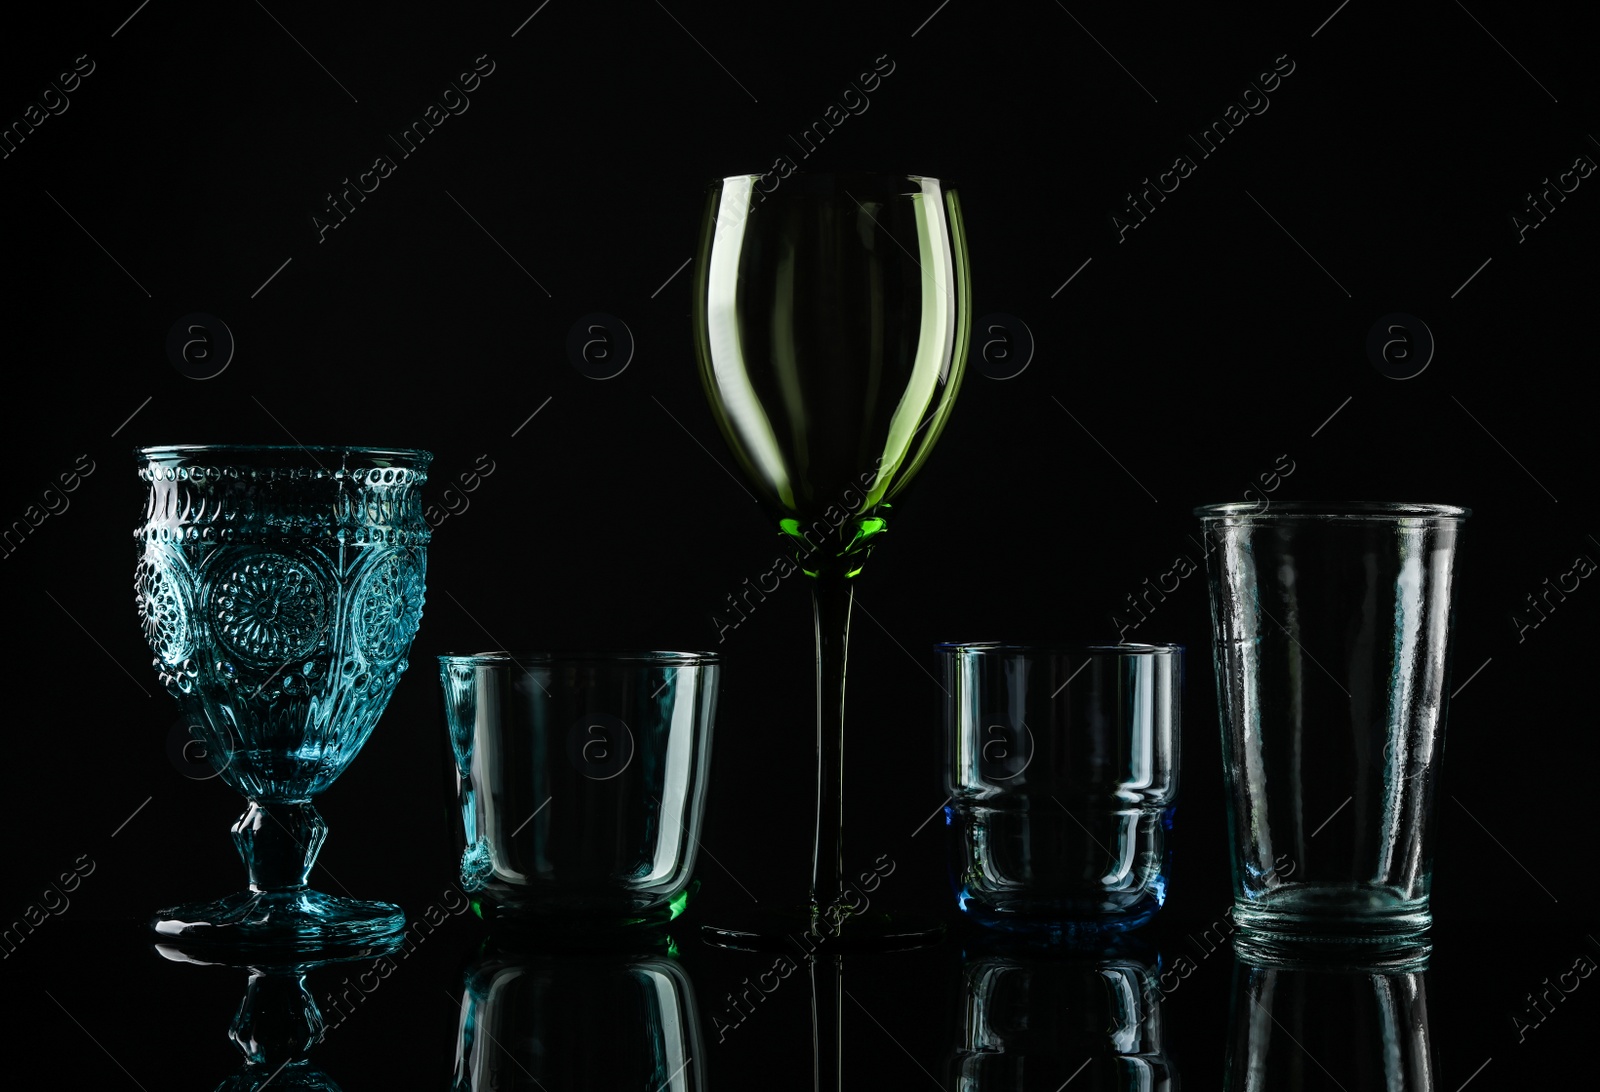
<point>1178,365</point>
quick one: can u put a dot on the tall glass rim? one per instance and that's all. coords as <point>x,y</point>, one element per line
<point>829,183</point>
<point>660,657</point>
<point>954,648</point>
<point>1311,511</point>
<point>177,454</point>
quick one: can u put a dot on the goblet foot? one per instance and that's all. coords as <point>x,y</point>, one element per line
<point>299,917</point>
<point>787,928</point>
<point>285,1078</point>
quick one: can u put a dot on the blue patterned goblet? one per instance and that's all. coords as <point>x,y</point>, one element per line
<point>279,589</point>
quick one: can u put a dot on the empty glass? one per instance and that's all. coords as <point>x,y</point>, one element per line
<point>279,589</point>
<point>1332,629</point>
<point>581,779</point>
<point>1062,768</point>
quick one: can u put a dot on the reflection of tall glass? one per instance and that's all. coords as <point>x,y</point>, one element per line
<point>1309,1026</point>
<point>1039,1021</point>
<point>1331,629</point>
<point>595,1020</point>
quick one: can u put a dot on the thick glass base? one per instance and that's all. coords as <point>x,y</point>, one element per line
<point>299,918</point>
<point>1066,923</point>
<point>800,927</point>
<point>578,916</point>
<point>1392,956</point>
<point>1344,915</point>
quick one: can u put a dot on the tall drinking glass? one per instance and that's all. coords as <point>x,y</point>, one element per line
<point>831,319</point>
<point>1332,638</point>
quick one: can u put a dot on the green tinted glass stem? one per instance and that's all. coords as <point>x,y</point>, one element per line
<point>832,595</point>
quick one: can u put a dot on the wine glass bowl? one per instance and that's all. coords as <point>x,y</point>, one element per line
<point>831,325</point>
<point>279,589</point>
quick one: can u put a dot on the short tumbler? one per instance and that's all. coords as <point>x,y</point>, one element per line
<point>1062,769</point>
<point>1331,630</point>
<point>581,780</point>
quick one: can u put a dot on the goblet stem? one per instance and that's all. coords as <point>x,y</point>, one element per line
<point>832,596</point>
<point>279,841</point>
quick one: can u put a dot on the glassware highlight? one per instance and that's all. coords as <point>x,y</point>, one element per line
<point>1062,768</point>
<point>279,589</point>
<point>581,779</point>
<point>831,321</point>
<point>1331,633</point>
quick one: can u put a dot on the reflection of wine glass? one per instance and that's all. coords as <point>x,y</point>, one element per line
<point>1311,1023</point>
<point>831,324</point>
<point>279,589</point>
<point>535,1017</point>
<point>1032,1018</point>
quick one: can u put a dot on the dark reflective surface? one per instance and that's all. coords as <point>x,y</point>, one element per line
<point>278,1021</point>
<point>538,1018</point>
<point>1041,1020</point>
<point>460,1009</point>
<point>1337,1025</point>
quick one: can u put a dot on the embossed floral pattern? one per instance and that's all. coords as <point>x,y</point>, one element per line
<point>163,608</point>
<point>270,607</point>
<point>388,608</point>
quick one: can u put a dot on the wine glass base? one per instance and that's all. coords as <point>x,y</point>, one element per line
<point>300,918</point>
<point>788,928</point>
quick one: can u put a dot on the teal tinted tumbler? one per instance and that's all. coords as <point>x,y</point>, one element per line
<point>581,780</point>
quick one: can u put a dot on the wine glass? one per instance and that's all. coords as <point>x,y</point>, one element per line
<point>831,316</point>
<point>279,589</point>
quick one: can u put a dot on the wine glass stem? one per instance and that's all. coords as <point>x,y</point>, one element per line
<point>832,595</point>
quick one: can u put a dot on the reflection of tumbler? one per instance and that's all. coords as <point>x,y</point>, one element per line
<point>1041,1022</point>
<point>1331,634</point>
<point>577,1021</point>
<point>1062,767</point>
<point>1330,1027</point>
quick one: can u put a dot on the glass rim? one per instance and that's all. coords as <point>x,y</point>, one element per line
<point>1132,648</point>
<point>1251,510</point>
<point>559,656</point>
<point>829,180</point>
<point>156,452</point>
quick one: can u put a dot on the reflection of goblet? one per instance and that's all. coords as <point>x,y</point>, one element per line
<point>278,1021</point>
<point>1035,1021</point>
<point>279,589</point>
<point>534,1019</point>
